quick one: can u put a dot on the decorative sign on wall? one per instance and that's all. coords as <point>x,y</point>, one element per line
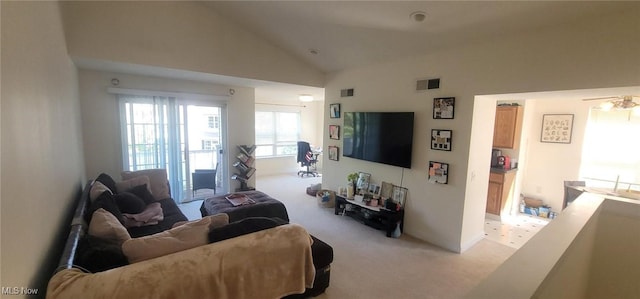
<point>441,140</point>
<point>443,108</point>
<point>333,153</point>
<point>556,128</point>
<point>334,132</point>
<point>438,172</point>
<point>334,110</point>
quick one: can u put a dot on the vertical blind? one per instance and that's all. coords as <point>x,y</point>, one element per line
<point>151,136</point>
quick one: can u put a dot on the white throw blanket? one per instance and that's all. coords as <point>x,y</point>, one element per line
<point>151,215</point>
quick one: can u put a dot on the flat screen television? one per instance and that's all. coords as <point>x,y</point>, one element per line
<point>382,137</point>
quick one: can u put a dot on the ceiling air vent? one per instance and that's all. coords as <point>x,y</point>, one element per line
<point>346,92</point>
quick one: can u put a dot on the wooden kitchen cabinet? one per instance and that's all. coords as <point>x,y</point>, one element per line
<point>508,127</point>
<point>499,193</point>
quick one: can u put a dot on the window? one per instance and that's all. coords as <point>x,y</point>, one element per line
<point>610,150</point>
<point>213,122</point>
<point>209,144</point>
<point>277,133</point>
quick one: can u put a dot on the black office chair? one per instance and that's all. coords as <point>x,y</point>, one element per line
<point>570,194</point>
<point>204,179</point>
<point>306,159</point>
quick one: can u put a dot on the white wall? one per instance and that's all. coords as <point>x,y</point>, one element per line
<point>590,54</point>
<point>101,118</point>
<point>42,160</point>
<point>548,165</point>
<point>184,35</point>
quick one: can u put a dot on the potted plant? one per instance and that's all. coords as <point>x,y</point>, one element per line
<point>351,185</point>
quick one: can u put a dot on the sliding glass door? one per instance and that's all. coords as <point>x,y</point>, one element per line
<point>205,149</point>
<point>166,132</point>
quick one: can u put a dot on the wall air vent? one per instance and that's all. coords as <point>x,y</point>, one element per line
<point>346,92</point>
<point>427,84</point>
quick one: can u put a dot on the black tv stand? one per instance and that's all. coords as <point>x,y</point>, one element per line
<point>376,217</point>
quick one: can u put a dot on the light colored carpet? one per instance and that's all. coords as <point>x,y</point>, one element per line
<point>367,264</point>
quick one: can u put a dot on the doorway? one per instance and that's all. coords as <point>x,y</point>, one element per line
<point>204,152</point>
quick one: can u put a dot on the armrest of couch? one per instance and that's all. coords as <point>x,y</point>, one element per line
<point>270,263</point>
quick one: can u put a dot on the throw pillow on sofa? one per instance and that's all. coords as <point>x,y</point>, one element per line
<point>180,238</point>
<point>104,225</point>
<point>96,254</point>
<point>143,192</point>
<point>158,181</point>
<point>97,189</point>
<point>217,220</point>
<point>128,184</point>
<point>108,181</point>
<point>129,203</point>
<point>105,201</point>
<point>243,227</point>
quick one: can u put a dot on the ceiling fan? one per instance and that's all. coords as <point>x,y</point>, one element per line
<point>617,103</point>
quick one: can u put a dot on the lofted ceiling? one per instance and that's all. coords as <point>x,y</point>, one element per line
<point>345,34</point>
<point>352,33</point>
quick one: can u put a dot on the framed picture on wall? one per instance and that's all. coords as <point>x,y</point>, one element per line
<point>556,128</point>
<point>334,132</point>
<point>438,172</point>
<point>441,140</point>
<point>334,152</point>
<point>443,108</point>
<point>334,110</point>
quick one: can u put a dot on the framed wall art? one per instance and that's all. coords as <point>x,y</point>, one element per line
<point>399,195</point>
<point>438,172</point>
<point>334,132</point>
<point>374,189</point>
<point>334,152</point>
<point>443,108</point>
<point>334,110</point>
<point>556,128</point>
<point>441,140</point>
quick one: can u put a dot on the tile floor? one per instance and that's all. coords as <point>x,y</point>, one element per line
<point>514,231</point>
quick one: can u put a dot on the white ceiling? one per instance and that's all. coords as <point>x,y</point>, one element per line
<point>351,33</point>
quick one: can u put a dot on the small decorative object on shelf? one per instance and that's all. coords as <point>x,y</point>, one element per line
<point>244,166</point>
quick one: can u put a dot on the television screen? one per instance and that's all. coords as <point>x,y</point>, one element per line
<point>383,137</point>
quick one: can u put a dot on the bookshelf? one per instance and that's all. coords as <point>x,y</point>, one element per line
<point>243,165</point>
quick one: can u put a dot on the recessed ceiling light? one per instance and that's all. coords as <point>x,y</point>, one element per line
<point>418,16</point>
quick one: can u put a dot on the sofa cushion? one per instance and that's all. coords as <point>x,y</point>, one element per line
<point>97,188</point>
<point>243,227</point>
<point>180,238</point>
<point>217,220</point>
<point>128,184</point>
<point>96,254</point>
<point>105,201</point>
<point>144,193</point>
<point>108,181</point>
<point>129,203</point>
<point>104,225</point>
<point>158,181</point>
